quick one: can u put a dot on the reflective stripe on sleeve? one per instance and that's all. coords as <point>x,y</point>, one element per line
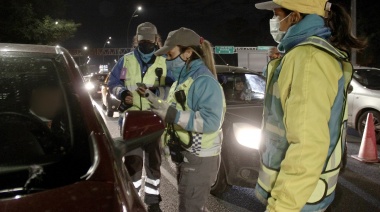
<point>198,122</point>
<point>183,120</point>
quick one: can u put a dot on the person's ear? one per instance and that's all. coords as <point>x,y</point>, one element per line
<point>295,17</point>
<point>187,54</point>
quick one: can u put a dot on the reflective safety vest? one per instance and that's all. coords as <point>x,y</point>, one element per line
<point>204,144</point>
<point>273,128</point>
<point>134,75</point>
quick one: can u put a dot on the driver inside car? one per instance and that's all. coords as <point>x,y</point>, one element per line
<point>46,103</point>
<point>239,89</point>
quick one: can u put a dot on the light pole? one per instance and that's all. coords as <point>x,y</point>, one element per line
<point>108,41</point>
<point>82,66</point>
<point>353,17</point>
<point>133,16</point>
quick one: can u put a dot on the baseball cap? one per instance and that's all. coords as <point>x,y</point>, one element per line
<point>302,6</point>
<point>146,31</point>
<point>179,37</point>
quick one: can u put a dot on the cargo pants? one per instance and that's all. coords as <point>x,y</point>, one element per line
<point>195,176</point>
<point>148,156</point>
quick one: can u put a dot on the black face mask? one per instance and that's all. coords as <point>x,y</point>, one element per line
<point>146,47</point>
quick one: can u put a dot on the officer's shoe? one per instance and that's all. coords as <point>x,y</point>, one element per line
<point>154,208</point>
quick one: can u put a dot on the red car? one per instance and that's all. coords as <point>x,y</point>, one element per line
<point>56,153</point>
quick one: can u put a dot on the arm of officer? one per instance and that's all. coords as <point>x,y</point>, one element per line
<point>115,83</point>
<point>206,102</point>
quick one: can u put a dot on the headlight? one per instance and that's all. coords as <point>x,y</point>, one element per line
<point>247,135</point>
<point>89,86</point>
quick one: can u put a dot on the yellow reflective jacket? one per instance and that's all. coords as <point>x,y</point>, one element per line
<point>304,127</point>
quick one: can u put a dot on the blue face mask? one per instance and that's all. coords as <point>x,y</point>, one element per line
<point>146,57</point>
<point>175,66</point>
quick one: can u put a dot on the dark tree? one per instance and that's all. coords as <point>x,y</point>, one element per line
<point>34,22</point>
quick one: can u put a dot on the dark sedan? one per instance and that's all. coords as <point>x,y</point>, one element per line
<point>56,153</point>
<point>244,92</point>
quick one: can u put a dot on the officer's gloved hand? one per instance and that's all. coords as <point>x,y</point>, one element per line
<point>161,108</point>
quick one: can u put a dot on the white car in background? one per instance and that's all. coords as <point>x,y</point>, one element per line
<point>364,99</point>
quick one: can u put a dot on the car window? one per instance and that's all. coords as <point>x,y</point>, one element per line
<point>40,120</point>
<point>369,78</point>
<point>242,88</point>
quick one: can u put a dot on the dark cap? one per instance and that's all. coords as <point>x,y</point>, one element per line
<point>179,37</point>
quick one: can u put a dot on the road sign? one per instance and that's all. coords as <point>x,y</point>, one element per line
<point>264,47</point>
<point>224,49</point>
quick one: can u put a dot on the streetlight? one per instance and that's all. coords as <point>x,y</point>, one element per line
<point>133,16</point>
<point>108,41</point>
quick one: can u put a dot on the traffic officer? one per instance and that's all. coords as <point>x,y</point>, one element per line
<point>194,114</point>
<point>305,108</point>
<point>134,72</point>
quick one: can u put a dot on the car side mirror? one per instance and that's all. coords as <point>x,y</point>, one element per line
<point>139,128</point>
<point>350,88</point>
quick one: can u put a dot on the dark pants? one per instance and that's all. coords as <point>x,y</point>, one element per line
<point>134,163</point>
<point>195,178</point>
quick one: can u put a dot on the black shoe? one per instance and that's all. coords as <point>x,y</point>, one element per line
<point>154,208</point>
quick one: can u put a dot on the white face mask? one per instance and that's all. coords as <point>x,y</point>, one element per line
<point>274,26</point>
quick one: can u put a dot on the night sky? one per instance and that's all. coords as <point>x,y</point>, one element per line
<point>219,21</point>
<point>222,22</point>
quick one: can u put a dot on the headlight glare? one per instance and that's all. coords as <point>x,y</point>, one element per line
<point>247,135</point>
<point>89,86</point>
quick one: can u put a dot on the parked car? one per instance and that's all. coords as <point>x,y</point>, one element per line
<point>364,98</point>
<point>244,92</point>
<point>66,160</point>
<point>109,102</point>
<point>94,84</point>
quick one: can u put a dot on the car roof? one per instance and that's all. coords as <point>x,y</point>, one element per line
<point>232,69</point>
<point>364,67</point>
<point>30,48</point>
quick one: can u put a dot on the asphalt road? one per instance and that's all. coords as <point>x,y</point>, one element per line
<point>358,185</point>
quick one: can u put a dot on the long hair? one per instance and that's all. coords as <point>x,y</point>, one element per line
<point>340,24</point>
<point>204,52</point>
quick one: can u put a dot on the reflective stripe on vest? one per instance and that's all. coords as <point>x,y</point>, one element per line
<point>329,177</point>
<point>200,140</point>
<point>134,75</point>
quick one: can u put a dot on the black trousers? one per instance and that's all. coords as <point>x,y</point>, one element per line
<point>148,156</point>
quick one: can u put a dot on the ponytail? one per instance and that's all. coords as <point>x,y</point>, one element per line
<point>208,56</point>
<point>204,52</point>
<point>339,21</point>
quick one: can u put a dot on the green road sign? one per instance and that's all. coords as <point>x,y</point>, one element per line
<point>264,47</point>
<point>224,49</point>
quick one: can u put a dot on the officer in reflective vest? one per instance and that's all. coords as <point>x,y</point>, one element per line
<point>305,105</point>
<point>194,113</point>
<point>135,72</point>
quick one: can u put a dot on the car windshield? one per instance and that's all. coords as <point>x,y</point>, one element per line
<point>41,126</point>
<point>242,88</point>
<point>369,78</point>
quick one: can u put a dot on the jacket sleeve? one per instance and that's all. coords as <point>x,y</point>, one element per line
<point>115,83</point>
<point>205,99</point>
<point>307,87</point>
